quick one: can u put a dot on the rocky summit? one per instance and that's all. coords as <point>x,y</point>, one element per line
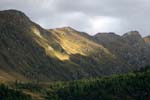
<point>29,52</point>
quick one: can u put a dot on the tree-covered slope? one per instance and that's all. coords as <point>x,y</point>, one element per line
<point>131,86</point>
<point>7,93</point>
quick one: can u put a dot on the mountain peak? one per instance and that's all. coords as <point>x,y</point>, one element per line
<point>13,16</point>
<point>11,13</point>
<point>68,28</point>
<point>133,36</point>
<point>134,39</point>
<point>14,21</point>
<point>132,33</point>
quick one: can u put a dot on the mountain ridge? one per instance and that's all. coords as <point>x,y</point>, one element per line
<point>29,52</point>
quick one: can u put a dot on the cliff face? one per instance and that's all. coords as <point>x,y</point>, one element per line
<point>29,52</point>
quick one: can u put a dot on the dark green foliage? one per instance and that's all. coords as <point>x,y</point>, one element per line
<point>28,86</point>
<point>131,86</point>
<point>10,94</point>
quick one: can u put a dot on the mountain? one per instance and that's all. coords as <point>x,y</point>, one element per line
<point>29,52</point>
<point>130,48</point>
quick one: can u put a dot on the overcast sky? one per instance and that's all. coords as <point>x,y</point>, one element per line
<point>91,16</point>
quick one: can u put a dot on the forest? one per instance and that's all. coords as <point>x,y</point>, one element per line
<point>6,93</point>
<point>130,86</point>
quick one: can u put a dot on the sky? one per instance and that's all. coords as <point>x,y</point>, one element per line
<point>91,16</point>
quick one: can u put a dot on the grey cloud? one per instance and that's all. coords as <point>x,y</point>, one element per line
<point>132,14</point>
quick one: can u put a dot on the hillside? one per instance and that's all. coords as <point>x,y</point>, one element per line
<point>7,93</point>
<point>131,86</point>
<point>66,64</point>
<point>129,48</point>
<point>29,52</point>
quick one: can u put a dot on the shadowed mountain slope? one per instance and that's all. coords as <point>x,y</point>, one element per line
<point>129,48</point>
<point>29,52</point>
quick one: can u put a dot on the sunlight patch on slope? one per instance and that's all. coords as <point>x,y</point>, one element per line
<point>43,42</point>
<point>61,56</point>
<point>6,76</point>
<point>70,41</point>
<point>74,43</point>
<point>69,44</point>
<point>36,31</point>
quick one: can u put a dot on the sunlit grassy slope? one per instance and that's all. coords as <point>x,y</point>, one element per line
<point>29,52</point>
<point>73,43</point>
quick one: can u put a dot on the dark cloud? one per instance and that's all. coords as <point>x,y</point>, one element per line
<point>91,16</point>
